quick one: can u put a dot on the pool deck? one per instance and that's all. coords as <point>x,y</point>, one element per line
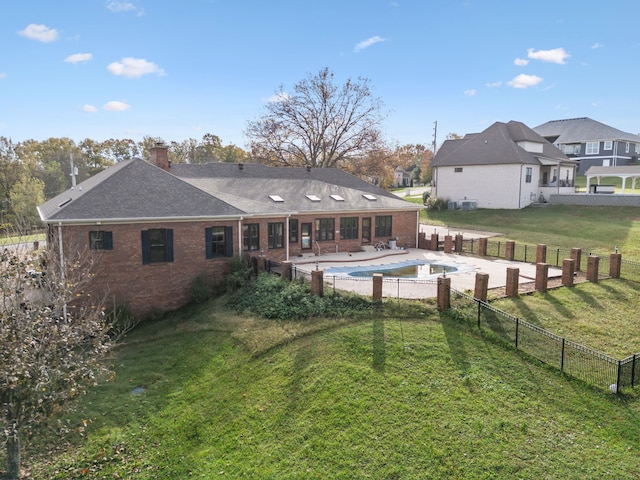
<point>495,267</point>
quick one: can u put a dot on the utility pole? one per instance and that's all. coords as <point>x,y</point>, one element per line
<point>74,172</point>
<point>435,134</point>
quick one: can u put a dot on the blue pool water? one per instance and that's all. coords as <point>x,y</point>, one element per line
<point>421,269</point>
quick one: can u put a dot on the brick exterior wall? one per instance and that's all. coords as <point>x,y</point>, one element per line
<point>121,278</point>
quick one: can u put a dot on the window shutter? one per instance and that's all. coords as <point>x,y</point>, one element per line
<point>228,239</point>
<point>208,242</point>
<point>168,245</point>
<point>146,247</point>
<point>107,240</point>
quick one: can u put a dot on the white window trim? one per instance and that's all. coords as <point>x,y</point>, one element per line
<point>589,148</point>
<point>608,145</point>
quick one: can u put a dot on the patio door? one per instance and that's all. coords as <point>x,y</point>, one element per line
<point>305,235</point>
<point>366,230</point>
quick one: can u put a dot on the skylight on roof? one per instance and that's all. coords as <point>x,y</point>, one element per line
<point>371,198</point>
<point>337,198</point>
<point>313,198</point>
<point>276,198</point>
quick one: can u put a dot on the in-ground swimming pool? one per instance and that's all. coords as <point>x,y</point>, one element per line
<point>420,269</point>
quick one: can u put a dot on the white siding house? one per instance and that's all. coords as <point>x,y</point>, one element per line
<point>507,166</point>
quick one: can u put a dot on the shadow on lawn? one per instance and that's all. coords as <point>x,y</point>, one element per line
<point>456,343</point>
<point>379,348</point>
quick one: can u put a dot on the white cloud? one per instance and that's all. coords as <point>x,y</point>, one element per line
<point>278,97</point>
<point>3,75</point>
<point>118,7</point>
<point>597,45</point>
<point>78,57</point>
<point>470,93</point>
<point>521,62</point>
<point>368,42</point>
<point>494,84</point>
<point>89,108</point>
<point>41,33</point>
<point>116,106</point>
<point>557,55</point>
<point>134,68</point>
<point>524,81</point>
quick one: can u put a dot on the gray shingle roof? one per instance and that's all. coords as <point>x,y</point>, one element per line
<point>581,130</point>
<point>135,189</point>
<point>497,145</point>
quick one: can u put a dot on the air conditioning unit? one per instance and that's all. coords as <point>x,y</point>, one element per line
<point>468,204</point>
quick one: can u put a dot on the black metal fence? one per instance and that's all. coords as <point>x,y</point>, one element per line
<point>584,363</point>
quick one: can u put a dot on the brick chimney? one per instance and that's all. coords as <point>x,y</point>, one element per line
<point>159,156</point>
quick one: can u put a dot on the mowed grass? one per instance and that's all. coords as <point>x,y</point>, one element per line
<point>602,315</point>
<point>594,229</point>
<point>418,397</point>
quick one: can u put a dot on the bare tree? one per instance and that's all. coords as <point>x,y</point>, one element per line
<point>320,124</point>
<point>53,341</point>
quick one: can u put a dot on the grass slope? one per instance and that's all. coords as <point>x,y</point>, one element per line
<point>415,398</point>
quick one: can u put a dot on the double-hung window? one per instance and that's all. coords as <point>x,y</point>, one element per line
<point>593,148</point>
<point>348,228</point>
<point>157,245</point>
<point>218,242</point>
<point>100,240</point>
<point>527,177</point>
<point>275,235</point>
<point>251,237</point>
<point>293,230</point>
<point>325,229</point>
<point>383,226</point>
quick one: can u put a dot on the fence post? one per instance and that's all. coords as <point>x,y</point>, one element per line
<point>448,244</point>
<point>615,263</point>
<point>444,293</point>
<point>576,254</point>
<point>286,270</point>
<point>482,284</point>
<point>479,312</point>
<point>434,241</point>
<point>458,243</point>
<point>633,372</point>
<point>517,330</point>
<point>512,282</point>
<point>541,253</point>
<point>562,357</point>
<point>568,269</point>
<point>377,287</point>
<point>317,282</point>
<point>509,250</point>
<point>482,246</point>
<point>618,386</point>
<point>592,268</point>
<point>542,277</point>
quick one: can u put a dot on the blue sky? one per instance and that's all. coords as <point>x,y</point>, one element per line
<point>179,69</point>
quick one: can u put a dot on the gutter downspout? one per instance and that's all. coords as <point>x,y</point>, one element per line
<point>286,237</point>
<point>520,188</point>
<point>240,237</point>
<point>62,275</point>
<point>417,228</point>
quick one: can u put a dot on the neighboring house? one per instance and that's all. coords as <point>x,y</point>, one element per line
<point>592,143</point>
<point>508,165</point>
<point>153,228</point>
<point>403,177</point>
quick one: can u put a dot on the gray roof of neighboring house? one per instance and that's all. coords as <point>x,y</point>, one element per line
<point>581,130</point>
<point>497,145</point>
<point>137,190</point>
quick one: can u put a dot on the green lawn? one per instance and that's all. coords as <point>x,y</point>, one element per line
<point>594,229</point>
<point>419,397</point>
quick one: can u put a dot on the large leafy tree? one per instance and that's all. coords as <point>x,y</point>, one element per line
<point>53,343</point>
<point>318,124</point>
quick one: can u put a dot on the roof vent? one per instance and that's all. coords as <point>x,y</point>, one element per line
<point>276,198</point>
<point>313,198</point>
<point>337,198</point>
<point>369,197</point>
<point>64,203</point>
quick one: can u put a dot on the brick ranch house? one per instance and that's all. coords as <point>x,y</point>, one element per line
<point>152,227</point>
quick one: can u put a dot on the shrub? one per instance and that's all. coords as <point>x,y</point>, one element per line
<point>272,297</point>
<point>434,203</point>
<point>202,289</point>
<point>425,197</point>
<point>239,273</point>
